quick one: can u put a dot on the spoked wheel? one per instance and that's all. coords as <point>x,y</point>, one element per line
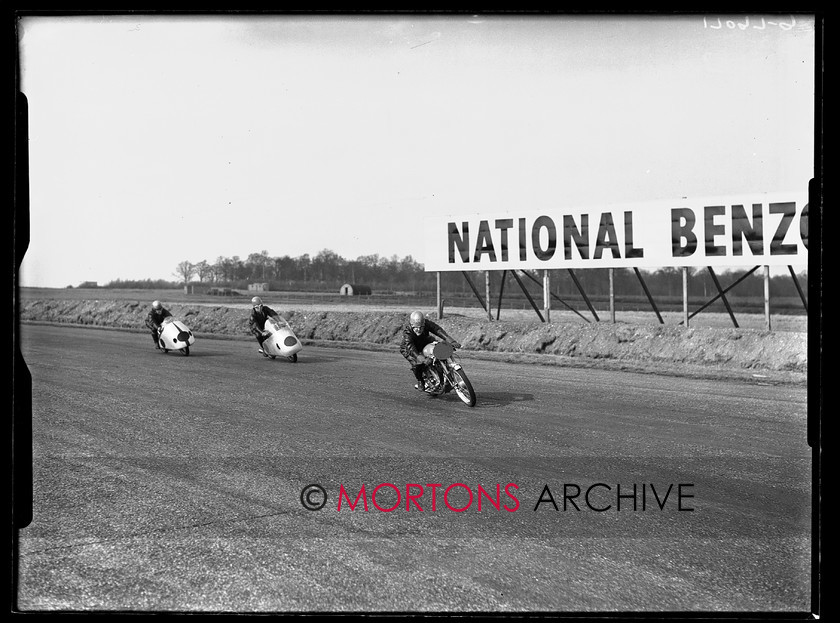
<point>293,358</point>
<point>464,388</point>
<point>186,351</point>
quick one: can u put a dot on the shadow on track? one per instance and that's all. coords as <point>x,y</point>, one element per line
<point>494,400</point>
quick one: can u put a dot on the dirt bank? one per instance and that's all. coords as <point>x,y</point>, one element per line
<point>696,351</point>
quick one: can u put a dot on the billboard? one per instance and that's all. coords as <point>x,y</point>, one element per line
<point>743,230</point>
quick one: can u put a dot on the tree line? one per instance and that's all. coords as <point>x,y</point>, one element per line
<point>327,272</point>
<point>305,271</point>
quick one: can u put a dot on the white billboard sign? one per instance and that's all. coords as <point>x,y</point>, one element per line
<point>744,230</point>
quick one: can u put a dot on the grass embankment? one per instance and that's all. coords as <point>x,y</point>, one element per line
<point>662,348</point>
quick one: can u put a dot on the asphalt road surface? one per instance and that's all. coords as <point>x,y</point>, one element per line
<point>164,482</point>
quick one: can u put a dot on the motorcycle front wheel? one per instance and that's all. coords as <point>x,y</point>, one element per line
<point>464,388</point>
<point>186,351</point>
<point>293,358</point>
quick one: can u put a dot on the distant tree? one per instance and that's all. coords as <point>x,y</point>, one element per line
<point>203,270</point>
<point>328,265</point>
<point>238,268</point>
<point>284,268</point>
<point>185,271</point>
<point>141,284</point>
<point>304,263</point>
<point>258,264</point>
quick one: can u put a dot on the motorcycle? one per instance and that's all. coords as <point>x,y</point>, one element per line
<point>443,373</point>
<point>175,335</point>
<point>280,340</point>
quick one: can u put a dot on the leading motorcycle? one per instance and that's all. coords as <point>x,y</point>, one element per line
<point>175,335</point>
<point>443,373</point>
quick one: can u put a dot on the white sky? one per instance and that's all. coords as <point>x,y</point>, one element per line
<point>159,139</point>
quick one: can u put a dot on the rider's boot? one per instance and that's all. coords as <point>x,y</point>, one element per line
<point>421,383</point>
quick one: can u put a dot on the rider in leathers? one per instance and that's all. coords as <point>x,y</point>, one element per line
<point>416,334</point>
<point>154,319</point>
<point>256,323</point>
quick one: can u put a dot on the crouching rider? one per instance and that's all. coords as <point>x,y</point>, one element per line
<point>259,314</point>
<point>154,320</point>
<point>417,333</point>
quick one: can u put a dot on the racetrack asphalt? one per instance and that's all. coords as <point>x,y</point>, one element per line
<point>171,483</point>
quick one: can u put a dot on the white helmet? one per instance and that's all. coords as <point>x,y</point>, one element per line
<point>155,304</point>
<point>256,301</point>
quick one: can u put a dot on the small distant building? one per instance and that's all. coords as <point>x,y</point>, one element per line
<point>351,289</point>
<point>258,287</point>
<point>222,292</point>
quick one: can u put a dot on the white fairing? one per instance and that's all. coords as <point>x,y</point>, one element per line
<point>175,335</point>
<point>282,342</point>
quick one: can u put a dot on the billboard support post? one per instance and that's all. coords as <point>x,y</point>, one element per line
<point>767,296</point>
<point>439,299</point>
<point>546,296</point>
<point>487,294</point>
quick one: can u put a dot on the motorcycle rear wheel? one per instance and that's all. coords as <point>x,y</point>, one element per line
<point>464,388</point>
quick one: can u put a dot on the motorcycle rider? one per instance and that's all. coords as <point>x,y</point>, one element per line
<point>418,332</point>
<point>154,320</point>
<point>259,314</point>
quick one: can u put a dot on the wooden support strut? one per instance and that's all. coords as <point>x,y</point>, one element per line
<point>583,294</point>
<point>527,295</point>
<point>501,291</point>
<point>475,291</point>
<point>725,290</point>
<point>722,296</point>
<point>535,280</point>
<point>649,297</point>
<point>798,288</point>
